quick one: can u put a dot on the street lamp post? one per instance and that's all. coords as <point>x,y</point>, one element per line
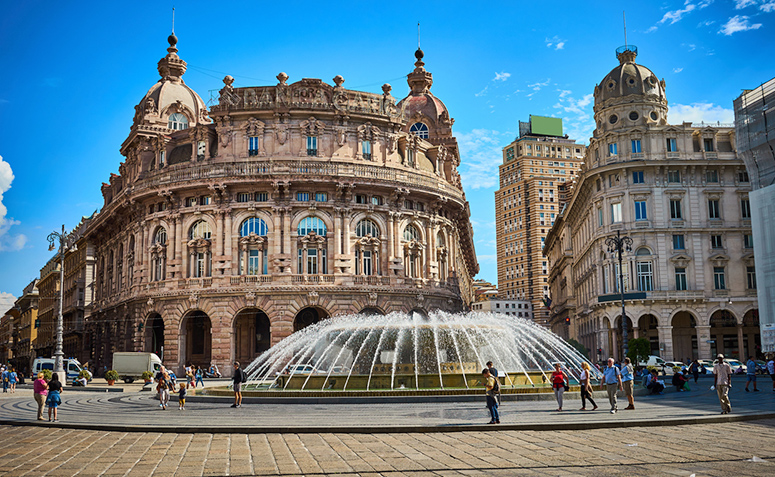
<point>619,245</point>
<point>64,241</point>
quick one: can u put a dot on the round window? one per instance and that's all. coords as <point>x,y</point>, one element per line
<point>631,81</point>
<point>654,115</point>
<point>613,118</point>
<point>634,115</point>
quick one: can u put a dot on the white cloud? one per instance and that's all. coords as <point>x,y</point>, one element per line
<point>738,23</point>
<point>677,70</point>
<point>480,156</point>
<point>675,16</point>
<point>555,42</point>
<point>538,86</point>
<point>740,4</point>
<point>502,76</point>
<point>651,29</point>
<point>578,122</point>
<point>700,112</point>
<point>768,7</point>
<point>7,242</point>
<point>6,302</point>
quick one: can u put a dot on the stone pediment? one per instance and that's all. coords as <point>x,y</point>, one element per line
<point>681,259</point>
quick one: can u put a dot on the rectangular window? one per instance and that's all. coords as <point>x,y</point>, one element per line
<point>199,265</point>
<point>366,149</point>
<point>708,145</point>
<point>637,177</point>
<point>742,176</point>
<point>672,144</point>
<point>711,176</point>
<point>612,149</point>
<point>719,280</point>
<point>360,199</point>
<point>675,209</point>
<point>244,197</point>
<point>599,216</point>
<point>645,276</point>
<point>714,209</point>
<point>191,201</point>
<point>262,197</point>
<point>678,242</point>
<point>253,262</point>
<point>376,200</point>
<point>680,279</point>
<point>321,197</point>
<point>312,145</point>
<point>204,200</point>
<point>253,146</point>
<point>748,241</point>
<point>715,241</point>
<point>162,158</point>
<point>410,158</point>
<point>636,146</point>
<point>674,177</point>
<point>616,213</point>
<point>640,210</point>
<point>745,206</point>
<point>302,196</point>
<point>751,277</point>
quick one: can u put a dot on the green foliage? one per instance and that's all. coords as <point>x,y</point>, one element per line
<point>147,375</point>
<point>47,374</point>
<point>579,347</point>
<point>84,374</point>
<point>639,350</point>
<point>111,375</point>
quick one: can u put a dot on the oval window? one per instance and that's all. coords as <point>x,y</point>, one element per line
<point>654,115</point>
<point>634,115</point>
<point>613,118</point>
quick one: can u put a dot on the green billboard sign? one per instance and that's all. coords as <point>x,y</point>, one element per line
<point>546,126</point>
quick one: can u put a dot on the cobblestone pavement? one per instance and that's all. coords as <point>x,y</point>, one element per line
<point>706,449</point>
<point>140,411</point>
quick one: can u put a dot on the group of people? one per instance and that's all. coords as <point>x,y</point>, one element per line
<point>9,378</point>
<point>194,375</point>
<point>47,393</point>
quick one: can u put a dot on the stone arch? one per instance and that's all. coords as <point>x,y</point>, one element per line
<point>417,224</point>
<point>308,316</point>
<point>195,339</point>
<point>752,341</point>
<point>371,311</point>
<point>684,337</point>
<point>723,334</point>
<point>617,336</point>
<point>194,218</point>
<point>302,214</point>
<point>420,311</point>
<point>648,328</point>
<point>153,336</point>
<point>251,332</point>
<point>243,215</point>
<point>376,218</point>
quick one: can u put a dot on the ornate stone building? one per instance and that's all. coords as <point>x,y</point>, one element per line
<point>681,193</point>
<point>226,230</point>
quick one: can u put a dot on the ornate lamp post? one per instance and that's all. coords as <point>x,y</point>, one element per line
<point>619,245</point>
<point>66,242</point>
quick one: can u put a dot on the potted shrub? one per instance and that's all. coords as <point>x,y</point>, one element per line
<point>47,374</point>
<point>147,376</point>
<point>111,377</point>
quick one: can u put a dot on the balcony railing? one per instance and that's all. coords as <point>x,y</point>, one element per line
<point>256,279</point>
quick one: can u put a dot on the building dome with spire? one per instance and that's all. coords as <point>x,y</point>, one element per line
<point>629,95</point>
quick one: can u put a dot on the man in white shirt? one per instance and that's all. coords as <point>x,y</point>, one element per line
<point>722,373</point>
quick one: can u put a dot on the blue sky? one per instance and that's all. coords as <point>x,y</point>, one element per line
<point>73,72</point>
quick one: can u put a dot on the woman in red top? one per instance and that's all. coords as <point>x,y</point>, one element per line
<point>558,384</point>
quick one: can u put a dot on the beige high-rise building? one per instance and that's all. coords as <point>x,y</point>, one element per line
<point>535,177</point>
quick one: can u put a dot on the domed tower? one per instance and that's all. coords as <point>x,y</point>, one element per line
<point>630,95</point>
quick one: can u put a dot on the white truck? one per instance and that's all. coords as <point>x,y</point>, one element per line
<point>130,365</point>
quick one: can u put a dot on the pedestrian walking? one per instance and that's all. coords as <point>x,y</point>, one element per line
<point>586,387</point>
<point>494,374</point>
<point>237,380</point>
<point>694,368</point>
<point>13,378</point>
<point>53,400</point>
<point>198,374</point>
<point>5,375</point>
<point>40,391</point>
<point>491,386</point>
<point>771,370</point>
<point>163,387</point>
<point>750,371</point>
<point>182,397</point>
<point>612,380</point>
<point>723,381</point>
<point>559,385</point>
<point>190,376</point>
<point>628,383</point>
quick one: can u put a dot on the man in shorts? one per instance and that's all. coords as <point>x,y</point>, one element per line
<point>750,372</point>
<point>237,380</point>
<point>628,377</point>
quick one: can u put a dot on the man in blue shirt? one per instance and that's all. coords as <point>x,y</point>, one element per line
<point>751,372</point>
<point>628,376</point>
<point>612,379</point>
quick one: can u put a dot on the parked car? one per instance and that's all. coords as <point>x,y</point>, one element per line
<point>761,367</point>
<point>707,365</point>
<point>654,361</point>
<point>672,365</point>
<point>737,366</point>
<point>299,369</point>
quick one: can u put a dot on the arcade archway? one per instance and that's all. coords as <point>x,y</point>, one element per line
<point>252,335</point>
<point>308,316</point>
<point>154,335</point>
<point>196,339</point>
<point>684,337</point>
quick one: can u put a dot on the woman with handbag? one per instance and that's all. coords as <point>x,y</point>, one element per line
<point>586,388</point>
<point>559,385</point>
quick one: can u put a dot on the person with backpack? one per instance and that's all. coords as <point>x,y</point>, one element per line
<point>198,374</point>
<point>559,380</point>
<point>494,374</point>
<point>53,399</point>
<point>492,387</point>
<point>238,378</point>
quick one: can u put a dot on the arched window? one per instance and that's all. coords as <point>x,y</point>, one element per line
<point>177,122</point>
<point>411,233</point>
<point>311,224</point>
<point>367,227</point>
<point>421,129</point>
<point>200,229</point>
<point>253,225</point>
<point>160,236</point>
<point>644,269</point>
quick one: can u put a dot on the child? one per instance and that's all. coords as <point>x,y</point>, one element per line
<point>182,397</point>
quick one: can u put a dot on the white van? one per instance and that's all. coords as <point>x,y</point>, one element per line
<point>71,366</point>
<point>655,361</point>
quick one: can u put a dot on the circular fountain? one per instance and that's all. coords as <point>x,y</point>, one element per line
<point>402,352</point>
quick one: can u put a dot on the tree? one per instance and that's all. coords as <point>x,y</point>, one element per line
<point>639,350</point>
<point>579,347</point>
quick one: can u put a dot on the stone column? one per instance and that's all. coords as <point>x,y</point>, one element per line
<point>228,238</point>
<point>145,277</point>
<point>665,334</point>
<point>428,246</point>
<point>740,342</point>
<point>287,231</point>
<point>179,246</point>
<point>390,236</point>
<point>338,228</point>
<point>261,259</point>
<point>635,332</point>
<point>219,233</point>
<point>172,245</point>
<point>703,347</point>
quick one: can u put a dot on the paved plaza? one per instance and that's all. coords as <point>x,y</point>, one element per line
<point>119,434</point>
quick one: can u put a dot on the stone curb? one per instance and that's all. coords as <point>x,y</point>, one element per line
<point>566,426</point>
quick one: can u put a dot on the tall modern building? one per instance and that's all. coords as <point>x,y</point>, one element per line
<point>537,172</point>
<point>680,193</point>
<point>755,133</point>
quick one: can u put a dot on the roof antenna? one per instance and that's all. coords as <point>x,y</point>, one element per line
<point>624,20</point>
<point>173,21</point>
<point>418,35</point>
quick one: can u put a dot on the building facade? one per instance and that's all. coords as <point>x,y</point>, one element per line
<point>226,230</point>
<point>48,308</point>
<point>680,192</point>
<point>755,134</point>
<point>27,305</point>
<point>536,174</point>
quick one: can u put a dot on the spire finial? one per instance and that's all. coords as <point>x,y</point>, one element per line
<point>418,35</point>
<point>624,21</point>
<point>173,20</point>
